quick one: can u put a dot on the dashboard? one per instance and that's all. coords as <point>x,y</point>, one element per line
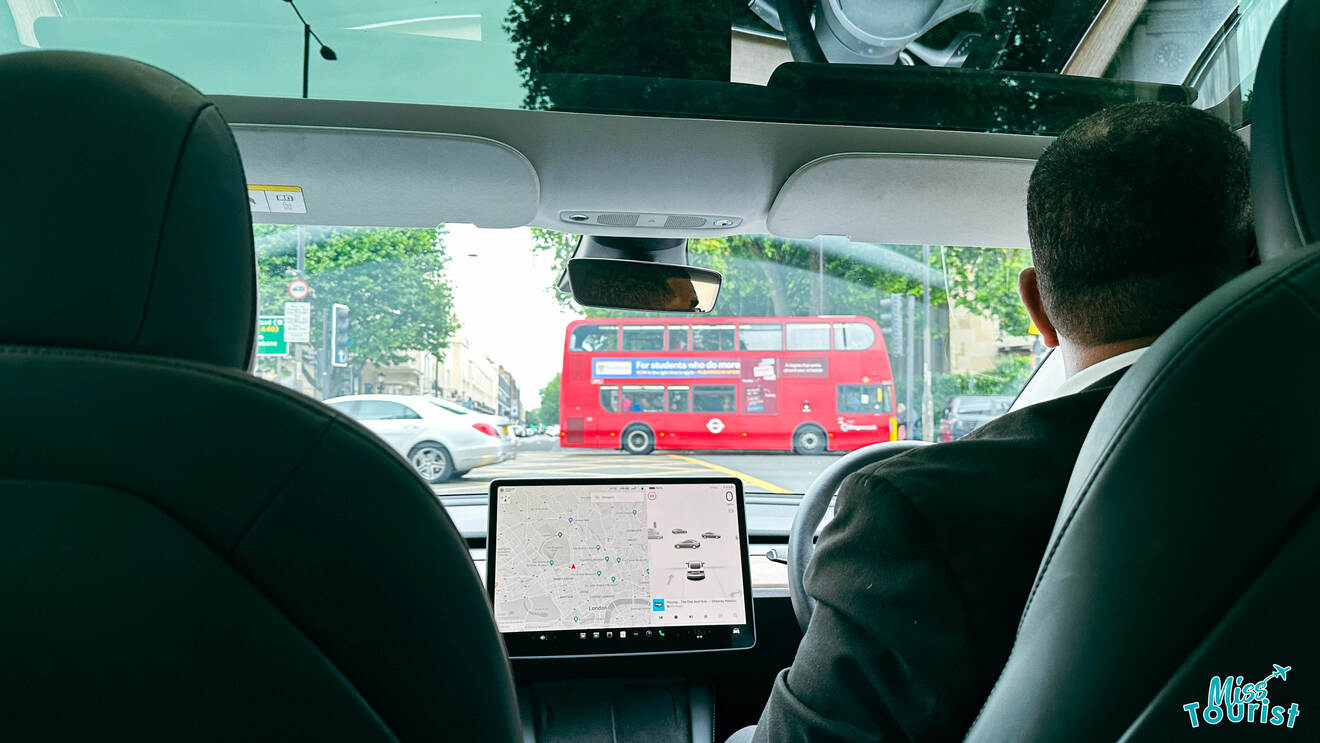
<point>574,687</point>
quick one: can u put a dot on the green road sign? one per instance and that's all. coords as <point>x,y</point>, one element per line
<point>270,336</point>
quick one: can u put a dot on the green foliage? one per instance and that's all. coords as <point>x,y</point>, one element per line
<point>556,40</point>
<point>392,280</point>
<point>766,276</point>
<point>984,280</point>
<point>548,413</point>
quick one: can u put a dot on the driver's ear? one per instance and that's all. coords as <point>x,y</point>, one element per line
<point>1030,293</point>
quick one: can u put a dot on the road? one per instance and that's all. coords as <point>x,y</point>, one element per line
<point>540,456</point>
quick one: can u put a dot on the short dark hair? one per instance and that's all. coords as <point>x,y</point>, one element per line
<point>1135,213</point>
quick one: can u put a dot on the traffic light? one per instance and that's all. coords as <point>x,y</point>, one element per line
<point>891,322</point>
<point>339,335</point>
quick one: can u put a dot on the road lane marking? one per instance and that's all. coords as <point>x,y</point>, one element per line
<point>551,465</point>
<point>746,478</point>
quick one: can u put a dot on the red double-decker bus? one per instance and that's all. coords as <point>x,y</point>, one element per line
<point>802,383</point>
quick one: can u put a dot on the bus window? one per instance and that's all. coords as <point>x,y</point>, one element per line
<point>761,337</point>
<point>595,338</point>
<point>864,398</point>
<point>643,338</point>
<point>713,398</point>
<point>712,338</point>
<point>678,400</point>
<point>678,338</point>
<point>808,336</point>
<point>639,399</point>
<point>609,399</point>
<point>853,336</point>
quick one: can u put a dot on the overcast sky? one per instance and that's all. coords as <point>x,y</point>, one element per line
<point>502,297</point>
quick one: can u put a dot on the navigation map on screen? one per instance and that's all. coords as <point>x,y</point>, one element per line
<point>611,555</point>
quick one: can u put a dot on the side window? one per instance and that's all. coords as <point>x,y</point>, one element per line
<point>678,400</point>
<point>594,338</point>
<point>804,336</point>
<point>678,338</point>
<point>609,399</point>
<point>761,337</point>
<point>643,338</point>
<point>865,398</point>
<point>384,410</point>
<point>639,399</point>
<point>347,407</point>
<point>712,338</point>
<point>713,398</point>
<point>853,336</point>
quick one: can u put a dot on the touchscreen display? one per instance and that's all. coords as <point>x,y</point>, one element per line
<point>619,566</point>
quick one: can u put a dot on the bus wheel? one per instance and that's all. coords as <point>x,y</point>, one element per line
<point>638,439</point>
<point>809,439</point>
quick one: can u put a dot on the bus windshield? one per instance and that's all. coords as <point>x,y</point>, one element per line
<point>452,345</point>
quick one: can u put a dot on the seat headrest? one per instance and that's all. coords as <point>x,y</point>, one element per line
<point>124,213</point>
<point>1285,154</point>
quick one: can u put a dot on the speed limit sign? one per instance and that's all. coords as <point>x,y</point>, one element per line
<point>298,289</point>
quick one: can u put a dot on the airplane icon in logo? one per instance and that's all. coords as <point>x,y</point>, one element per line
<point>1280,672</point>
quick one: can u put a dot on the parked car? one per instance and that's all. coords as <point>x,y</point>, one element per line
<point>501,423</point>
<point>965,413</point>
<point>439,443</point>
<point>709,535</point>
<point>687,544</point>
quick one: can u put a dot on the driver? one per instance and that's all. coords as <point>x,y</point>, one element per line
<point>1134,215</point>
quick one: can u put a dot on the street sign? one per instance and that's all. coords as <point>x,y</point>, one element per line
<point>270,336</point>
<point>298,289</point>
<point>297,322</point>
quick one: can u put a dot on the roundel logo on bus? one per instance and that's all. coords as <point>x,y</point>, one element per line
<point>714,425</point>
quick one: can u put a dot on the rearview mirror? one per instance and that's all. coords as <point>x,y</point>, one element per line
<point>619,284</point>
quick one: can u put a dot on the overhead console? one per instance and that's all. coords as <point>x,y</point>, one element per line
<point>906,199</point>
<point>365,177</point>
<point>619,566</point>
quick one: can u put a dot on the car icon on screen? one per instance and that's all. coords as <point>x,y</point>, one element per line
<point>687,544</point>
<point>696,564</point>
<point>679,531</point>
<point>696,575</point>
<point>710,535</point>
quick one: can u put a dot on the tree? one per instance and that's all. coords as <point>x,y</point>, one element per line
<point>772,276</point>
<point>392,280</point>
<point>557,41</point>
<point>548,413</point>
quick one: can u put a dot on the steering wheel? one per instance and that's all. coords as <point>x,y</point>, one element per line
<point>801,536</point>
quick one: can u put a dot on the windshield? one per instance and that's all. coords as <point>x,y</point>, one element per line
<point>1027,66</point>
<point>814,348</point>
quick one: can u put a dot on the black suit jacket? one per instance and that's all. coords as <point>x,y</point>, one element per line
<point>921,577</point>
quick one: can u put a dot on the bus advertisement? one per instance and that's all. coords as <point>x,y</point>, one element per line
<point>806,384</point>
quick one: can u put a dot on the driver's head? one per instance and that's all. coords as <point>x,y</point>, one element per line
<point>1135,213</point>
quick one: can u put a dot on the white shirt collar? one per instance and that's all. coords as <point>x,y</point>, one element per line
<point>1098,371</point>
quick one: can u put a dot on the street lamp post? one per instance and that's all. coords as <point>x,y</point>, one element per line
<point>308,34</point>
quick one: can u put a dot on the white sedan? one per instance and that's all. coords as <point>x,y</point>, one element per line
<point>439,443</point>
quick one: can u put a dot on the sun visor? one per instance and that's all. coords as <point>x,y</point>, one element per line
<point>313,175</point>
<point>907,199</point>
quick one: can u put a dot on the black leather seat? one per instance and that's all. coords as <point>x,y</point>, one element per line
<point>1189,539</point>
<point>186,552</point>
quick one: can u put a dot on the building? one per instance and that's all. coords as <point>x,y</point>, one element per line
<point>510,402</point>
<point>463,374</point>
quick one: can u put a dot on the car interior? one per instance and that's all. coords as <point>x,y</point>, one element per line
<point>197,548</point>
